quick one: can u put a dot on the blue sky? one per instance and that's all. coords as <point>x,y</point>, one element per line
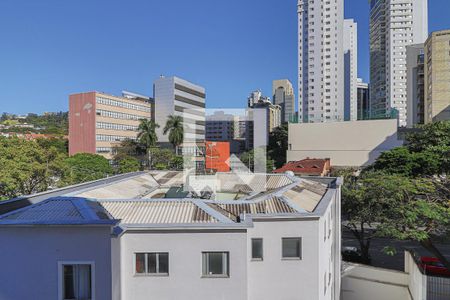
<point>52,48</point>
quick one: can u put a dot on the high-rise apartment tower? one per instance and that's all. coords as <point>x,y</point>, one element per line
<point>394,24</point>
<point>321,60</point>
<point>351,70</point>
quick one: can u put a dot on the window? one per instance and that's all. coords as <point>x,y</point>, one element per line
<point>215,264</point>
<point>152,263</point>
<point>292,248</point>
<point>257,249</point>
<point>76,281</point>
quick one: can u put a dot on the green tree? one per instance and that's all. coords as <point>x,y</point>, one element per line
<point>59,144</point>
<point>411,164</point>
<point>252,158</point>
<point>278,145</point>
<point>368,200</point>
<point>434,141</point>
<point>426,153</point>
<point>51,123</point>
<point>147,135</point>
<point>421,215</point>
<point>161,157</point>
<point>270,165</point>
<point>128,164</point>
<point>376,204</point>
<point>84,167</point>
<point>26,168</point>
<point>174,126</point>
<point>132,148</point>
<point>177,162</point>
<point>433,135</point>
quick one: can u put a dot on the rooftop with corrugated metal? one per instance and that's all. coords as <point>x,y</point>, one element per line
<point>59,211</point>
<point>306,194</point>
<point>157,212</point>
<point>269,206</point>
<point>154,183</point>
<point>131,188</point>
<point>138,200</point>
<point>231,182</point>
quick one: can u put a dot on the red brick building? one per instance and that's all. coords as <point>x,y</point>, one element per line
<point>98,121</point>
<point>307,167</point>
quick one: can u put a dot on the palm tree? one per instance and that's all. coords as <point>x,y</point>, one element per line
<point>147,135</point>
<point>174,126</point>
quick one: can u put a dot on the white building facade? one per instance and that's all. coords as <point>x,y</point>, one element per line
<point>321,61</point>
<point>394,24</point>
<point>282,244</point>
<point>351,70</point>
<point>176,96</point>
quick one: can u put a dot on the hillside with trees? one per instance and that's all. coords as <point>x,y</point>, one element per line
<point>48,123</point>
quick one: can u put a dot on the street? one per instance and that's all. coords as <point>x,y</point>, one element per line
<point>396,262</point>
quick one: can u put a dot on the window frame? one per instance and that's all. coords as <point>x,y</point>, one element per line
<point>61,265</point>
<point>262,249</point>
<point>146,273</point>
<point>225,274</point>
<point>300,257</point>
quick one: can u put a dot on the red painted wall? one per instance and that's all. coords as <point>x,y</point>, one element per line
<point>82,123</point>
<point>217,153</point>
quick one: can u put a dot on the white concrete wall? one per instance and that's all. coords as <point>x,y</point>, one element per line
<point>346,143</point>
<point>417,282</point>
<point>326,257</point>
<point>275,278</point>
<point>115,268</point>
<point>185,266</point>
<point>368,283</point>
<point>29,259</point>
<point>271,278</point>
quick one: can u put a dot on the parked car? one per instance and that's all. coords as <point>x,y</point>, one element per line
<point>433,266</point>
<point>352,254</point>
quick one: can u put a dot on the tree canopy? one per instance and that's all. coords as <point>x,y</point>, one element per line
<point>130,148</point>
<point>174,126</point>
<point>426,153</point>
<point>128,164</point>
<point>147,133</point>
<point>26,167</point>
<point>254,158</point>
<point>278,145</point>
<point>411,164</point>
<point>429,136</point>
<point>84,167</point>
